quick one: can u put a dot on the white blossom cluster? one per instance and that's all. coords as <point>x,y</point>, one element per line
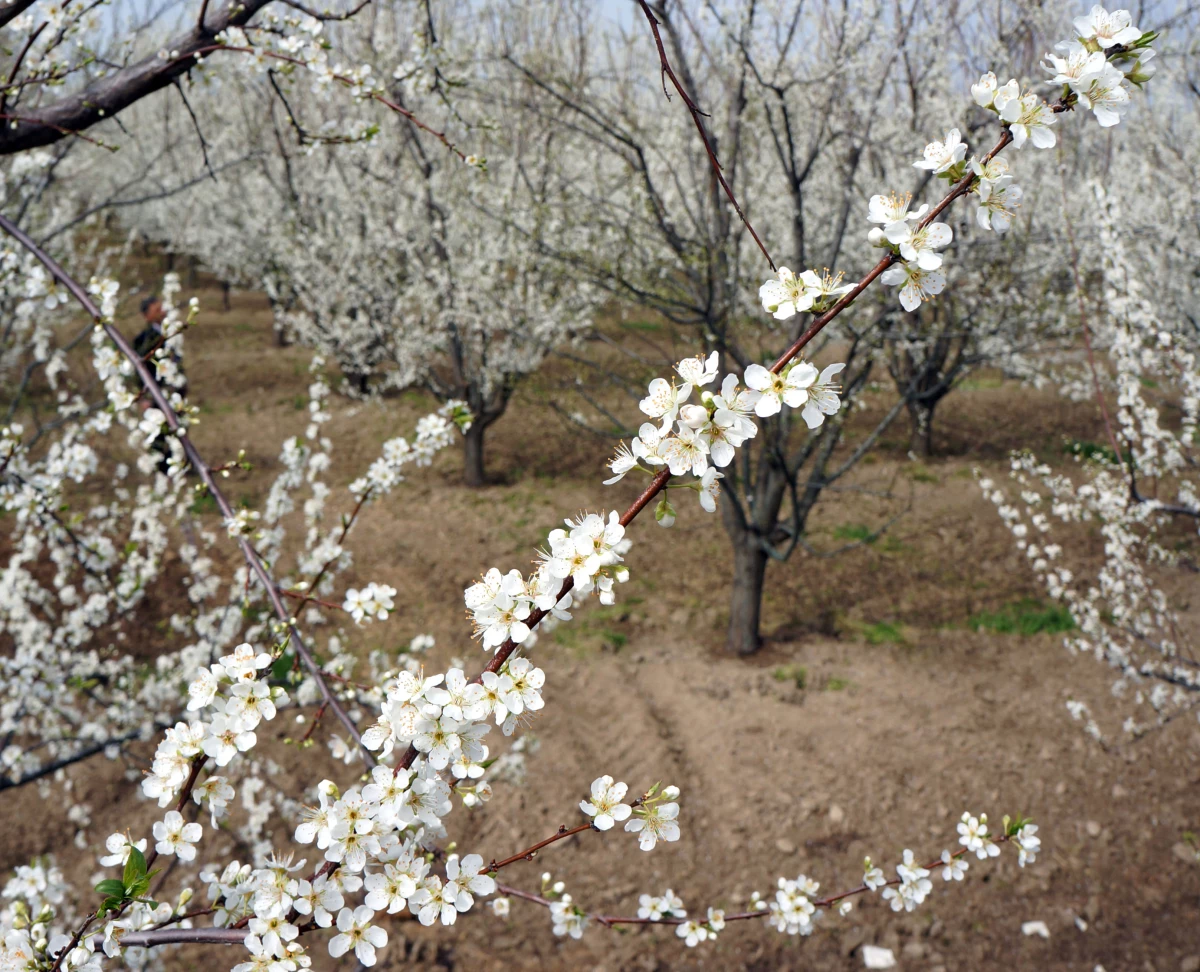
<point>796,906</point>
<point>61,691</point>
<point>700,439</point>
<point>59,705</point>
<point>448,288</point>
<point>589,553</point>
<point>379,840</point>
<point>1096,70</point>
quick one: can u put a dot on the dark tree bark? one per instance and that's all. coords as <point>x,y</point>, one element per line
<point>111,94</point>
<point>745,601</point>
<point>474,469</point>
<point>748,527</point>
<point>920,415</point>
<point>484,411</point>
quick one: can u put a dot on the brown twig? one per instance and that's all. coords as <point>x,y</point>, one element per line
<point>609,921</point>
<point>313,725</point>
<point>17,64</point>
<point>698,119</point>
<point>341,79</point>
<point>309,599</point>
<point>660,480</point>
<point>529,853</point>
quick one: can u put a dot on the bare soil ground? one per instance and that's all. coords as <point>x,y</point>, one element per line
<point>874,715</point>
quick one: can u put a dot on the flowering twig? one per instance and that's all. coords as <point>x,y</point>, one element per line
<point>529,853</point>
<point>198,464</point>
<point>661,479</point>
<point>611,921</point>
<point>409,116</point>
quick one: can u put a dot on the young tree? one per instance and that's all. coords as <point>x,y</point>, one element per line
<point>1135,491</point>
<point>749,69</point>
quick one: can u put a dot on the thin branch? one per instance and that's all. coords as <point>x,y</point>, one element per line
<point>196,121</point>
<point>697,118</point>
<point>610,921</point>
<point>326,16</point>
<point>201,468</point>
<point>109,95</point>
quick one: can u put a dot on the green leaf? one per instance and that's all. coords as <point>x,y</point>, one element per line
<point>111,888</point>
<point>110,904</point>
<point>282,665</point>
<point>135,866</point>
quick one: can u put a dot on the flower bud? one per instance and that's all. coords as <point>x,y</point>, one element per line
<point>664,513</point>
<point>876,238</point>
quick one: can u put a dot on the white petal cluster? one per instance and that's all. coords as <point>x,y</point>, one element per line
<point>1097,69</point>
<point>372,602</point>
<point>787,294</point>
<point>706,436</point>
<point>791,908</point>
<point>914,886</point>
<point>975,836</point>
<point>657,907</point>
<point>589,552</point>
<point>655,818</point>
<point>606,806</point>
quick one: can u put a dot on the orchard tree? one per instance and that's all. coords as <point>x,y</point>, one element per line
<point>402,263</point>
<point>676,239</point>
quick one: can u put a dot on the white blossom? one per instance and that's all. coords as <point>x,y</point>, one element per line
<point>606,806</point>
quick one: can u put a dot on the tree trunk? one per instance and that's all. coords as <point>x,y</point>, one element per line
<point>484,412</point>
<point>474,474</point>
<point>921,421</point>
<point>745,602</point>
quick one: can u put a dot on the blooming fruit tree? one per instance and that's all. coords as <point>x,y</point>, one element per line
<point>377,840</point>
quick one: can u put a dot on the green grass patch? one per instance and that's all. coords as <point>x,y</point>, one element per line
<point>835,683</point>
<point>1089,450</point>
<point>1093,450</point>
<point>981,384</point>
<point>1024,617</point>
<point>883,633</point>
<point>853,532</point>
<point>796,674</point>
<point>615,640</point>
<point>921,474</point>
<point>652,327</point>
